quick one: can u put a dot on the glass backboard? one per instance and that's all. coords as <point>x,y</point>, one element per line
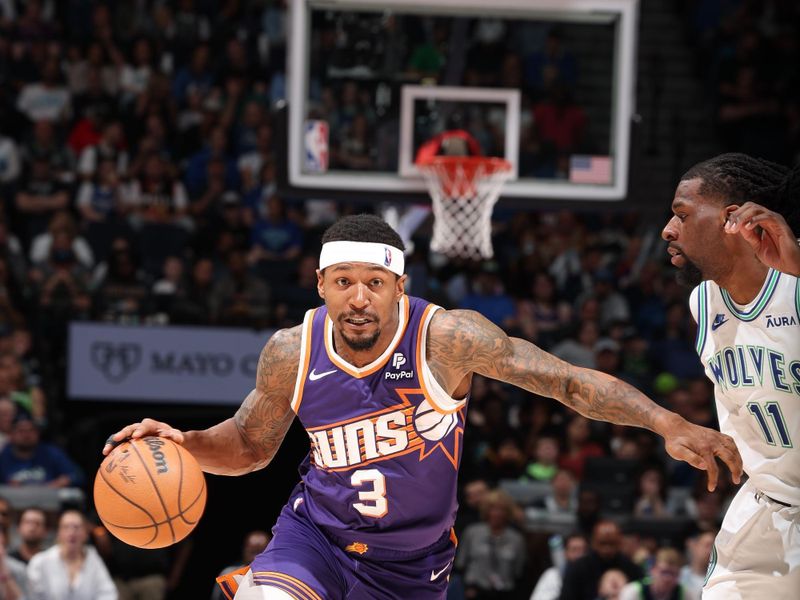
<point>546,84</point>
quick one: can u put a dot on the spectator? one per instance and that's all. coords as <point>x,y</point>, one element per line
<point>254,544</point>
<point>14,383</point>
<point>121,291</point>
<point>551,65</point>
<point>275,241</point>
<point>562,498</point>
<point>491,554</point>
<point>32,532</point>
<point>111,147</point>
<point>195,305</point>
<point>158,212</point>
<point>7,412</point>
<point>489,297</point>
<point>582,577</point>
<point>548,587</point>
<point>45,143</point>
<point>61,226</point>
<point>693,574</point>
<point>135,75</point>
<point>651,499</point>
<point>166,289</point>
<point>10,166</point>
<point>474,493</point>
<point>579,447</point>
<point>545,464</point>
<point>62,284</point>
<point>26,460</point>
<point>46,99</point>
<point>13,580</point>
<point>71,569</point>
<point>11,300</point>
<point>611,584</point>
<point>39,197</point>
<point>102,210</point>
<point>580,349</point>
<point>240,298</point>
<point>664,582</point>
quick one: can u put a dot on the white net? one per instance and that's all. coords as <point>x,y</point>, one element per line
<point>464,191</point>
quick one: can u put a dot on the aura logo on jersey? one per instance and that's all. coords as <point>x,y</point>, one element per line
<point>780,321</point>
<point>400,429</point>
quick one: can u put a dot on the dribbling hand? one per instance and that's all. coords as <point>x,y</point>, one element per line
<point>144,428</point>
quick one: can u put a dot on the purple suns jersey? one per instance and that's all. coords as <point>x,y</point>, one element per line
<point>385,438</point>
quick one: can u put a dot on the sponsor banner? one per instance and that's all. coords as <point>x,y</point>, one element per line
<point>193,365</point>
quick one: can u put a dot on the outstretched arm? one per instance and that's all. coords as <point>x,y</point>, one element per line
<point>463,341</point>
<point>768,234</point>
<point>247,441</point>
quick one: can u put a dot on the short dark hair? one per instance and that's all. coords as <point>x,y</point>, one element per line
<point>735,178</point>
<point>363,228</point>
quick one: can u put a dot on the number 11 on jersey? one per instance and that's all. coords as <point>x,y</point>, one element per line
<point>774,411</point>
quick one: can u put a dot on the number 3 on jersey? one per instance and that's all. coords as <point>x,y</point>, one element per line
<point>774,411</point>
<point>376,496</point>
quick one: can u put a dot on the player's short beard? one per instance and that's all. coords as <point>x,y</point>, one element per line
<point>689,275</point>
<point>362,343</point>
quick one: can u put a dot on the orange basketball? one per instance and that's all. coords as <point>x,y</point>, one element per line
<point>150,492</point>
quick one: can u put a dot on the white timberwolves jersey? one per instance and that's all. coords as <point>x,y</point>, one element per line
<point>752,355</point>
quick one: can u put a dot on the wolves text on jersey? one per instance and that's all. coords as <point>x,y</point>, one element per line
<point>747,365</point>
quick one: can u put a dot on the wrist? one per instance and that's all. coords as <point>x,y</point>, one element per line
<point>666,422</point>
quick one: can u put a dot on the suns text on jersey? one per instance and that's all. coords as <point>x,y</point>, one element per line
<point>368,439</point>
<point>746,365</point>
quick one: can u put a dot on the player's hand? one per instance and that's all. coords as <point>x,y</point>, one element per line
<point>699,446</point>
<point>769,235</point>
<point>144,428</point>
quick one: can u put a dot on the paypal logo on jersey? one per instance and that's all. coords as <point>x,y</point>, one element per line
<point>398,360</point>
<point>780,321</point>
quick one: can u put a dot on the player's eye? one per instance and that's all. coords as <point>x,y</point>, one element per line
<point>377,282</point>
<point>342,281</point>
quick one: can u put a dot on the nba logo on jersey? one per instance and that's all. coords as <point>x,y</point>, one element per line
<point>398,360</point>
<point>316,146</point>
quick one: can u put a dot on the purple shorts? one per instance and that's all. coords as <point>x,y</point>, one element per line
<point>305,562</point>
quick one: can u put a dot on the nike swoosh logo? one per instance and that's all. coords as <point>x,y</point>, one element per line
<point>314,376</point>
<point>435,574</point>
<point>718,323</point>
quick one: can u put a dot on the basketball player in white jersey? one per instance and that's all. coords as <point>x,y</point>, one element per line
<point>746,263</point>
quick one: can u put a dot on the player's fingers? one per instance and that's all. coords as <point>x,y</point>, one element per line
<point>117,438</point>
<point>712,469</point>
<point>729,454</point>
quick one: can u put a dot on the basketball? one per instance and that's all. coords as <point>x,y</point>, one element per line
<point>150,492</point>
<point>432,424</point>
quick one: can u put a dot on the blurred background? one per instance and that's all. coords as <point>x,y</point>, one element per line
<point>151,241</point>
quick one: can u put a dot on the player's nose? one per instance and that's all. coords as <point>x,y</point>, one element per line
<point>670,231</point>
<point>360,296</point>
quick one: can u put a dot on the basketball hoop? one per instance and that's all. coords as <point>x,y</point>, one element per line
<point>464,190</point>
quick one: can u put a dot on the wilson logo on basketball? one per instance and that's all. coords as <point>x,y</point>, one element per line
<point>155,444</point>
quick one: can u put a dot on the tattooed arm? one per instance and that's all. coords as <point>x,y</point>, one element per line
<point>461,342</point>
<point>247,441</point>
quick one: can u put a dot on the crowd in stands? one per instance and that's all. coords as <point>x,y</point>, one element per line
<point>138,179</point>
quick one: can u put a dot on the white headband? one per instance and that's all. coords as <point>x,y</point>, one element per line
<point>382,255</point>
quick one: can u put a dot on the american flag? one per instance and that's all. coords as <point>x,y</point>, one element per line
<point>590,169</point>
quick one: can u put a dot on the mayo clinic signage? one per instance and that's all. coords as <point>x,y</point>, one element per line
<point>193,365</point>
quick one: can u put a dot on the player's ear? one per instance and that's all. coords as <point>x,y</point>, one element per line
<point>400,286</point>
<point>320,289</point>
<point>730,209</point>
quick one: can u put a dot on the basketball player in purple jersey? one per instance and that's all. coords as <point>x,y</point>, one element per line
<point>380,382</point>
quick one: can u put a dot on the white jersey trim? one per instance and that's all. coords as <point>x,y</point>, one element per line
<point>440,400</point>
